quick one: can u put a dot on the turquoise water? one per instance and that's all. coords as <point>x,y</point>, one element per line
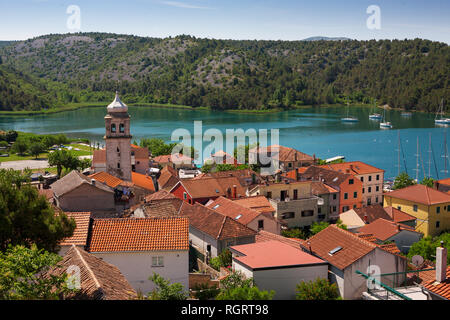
<point>316,131</point>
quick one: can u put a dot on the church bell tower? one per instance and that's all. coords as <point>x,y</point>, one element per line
<point>118,140</point>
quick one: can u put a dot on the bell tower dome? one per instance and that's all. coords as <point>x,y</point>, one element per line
<point>118,140</point>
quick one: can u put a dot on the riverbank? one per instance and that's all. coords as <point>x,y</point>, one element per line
<point>82,105</point>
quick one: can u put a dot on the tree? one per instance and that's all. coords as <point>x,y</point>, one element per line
<point>63,159</point>
<point>165,290</point>
<point>319,226</point>
<point>237,287</point>
<point>403,180</point>
<point>27,217</point>
<point>84,164</point>
<point>426,247</point>
<point>36,149</point>
<point>428,181</point>
<point>246,293</point>
<point>25,274</point>
<point>320,289</point>
<point>20,146</point>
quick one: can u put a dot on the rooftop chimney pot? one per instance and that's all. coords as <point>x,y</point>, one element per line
<point>441,263</point>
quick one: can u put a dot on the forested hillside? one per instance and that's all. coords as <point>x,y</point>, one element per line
<point>229,74</point>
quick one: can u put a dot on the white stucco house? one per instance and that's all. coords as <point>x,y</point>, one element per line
<point>140,247</point>
<point>276,266</point>
<point>346,253</point>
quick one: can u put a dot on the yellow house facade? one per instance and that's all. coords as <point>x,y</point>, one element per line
<point>429,206</point>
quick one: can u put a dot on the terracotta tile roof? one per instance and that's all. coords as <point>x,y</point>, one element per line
<point>372,212</point>
<point>367,236</point>
<point>106,178</point>
<point>139,234</point>
<point>258,203</point>
<point>420,194</point>
<point>72,181</point>
<point>213,223</point>
<point>233,210</point>
<point>330,177</point>
<point>47,193</point>
<point>272,254</point>
<point>353,167</point>
<point>285,153</point>
<point>140,153</point>
<point>99,157</point>
<point>264,236</point>
<point>318,188</point>
<point>245,176</point>
<point>398,215</point>
<point>162,207</point>
<point>383,229</point>
<point>161,194</point>
<point>80,234</point>
<point>143,181</point>
<point>168,178</point>
<point>442,289</point>
<point>391,248</point>
<point>99,280</point>
<point>177,159</point>
<point>444,181</point>
<point>332,237</point>
<point>211,187</point>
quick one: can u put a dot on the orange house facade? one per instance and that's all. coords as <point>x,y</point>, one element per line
<point>350,194</point>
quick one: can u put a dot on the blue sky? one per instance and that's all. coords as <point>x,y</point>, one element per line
<point>230,19</point>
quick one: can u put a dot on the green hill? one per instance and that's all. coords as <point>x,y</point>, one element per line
<point>232,74</point>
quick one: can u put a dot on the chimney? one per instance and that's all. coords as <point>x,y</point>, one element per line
<point>296,175</point>
<point>441,263</point>
<point>229,193</point>
<point>234,191</point>
<point>351,167</point>
<point>93,182</point>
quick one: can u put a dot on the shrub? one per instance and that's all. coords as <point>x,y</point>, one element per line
<point>319,289</point>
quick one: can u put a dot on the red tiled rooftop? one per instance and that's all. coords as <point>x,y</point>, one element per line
<point>383,229</point>
<point>106,178</point>
<point>353,247</point>
<point>353,167</point>
<point>258,203</point>
<point>213,223</point>
<point>143,181</point>
<point>80,234</point>
<point>420,194</point>
<point>139,234</point>
<point>233,210</point>
<point>442,289</point>
<point>398,215</point>
<point>272,254</point>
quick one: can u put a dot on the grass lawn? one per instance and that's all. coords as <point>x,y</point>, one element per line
<point>84,151</point>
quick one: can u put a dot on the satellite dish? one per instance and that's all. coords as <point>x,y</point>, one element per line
<point>417,260</point>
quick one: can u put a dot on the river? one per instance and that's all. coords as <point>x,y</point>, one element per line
<point>312,130</point>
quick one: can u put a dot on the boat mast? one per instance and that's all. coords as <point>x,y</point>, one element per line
<point>417,162</point>
<point>445,156</point>
<point>429,156</point>
<point>398,153</point>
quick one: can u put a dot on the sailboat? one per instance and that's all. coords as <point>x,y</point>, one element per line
<point>349,118</point>
<point>439,120</point>
<point>375,116</point>
<point>385,124</point>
